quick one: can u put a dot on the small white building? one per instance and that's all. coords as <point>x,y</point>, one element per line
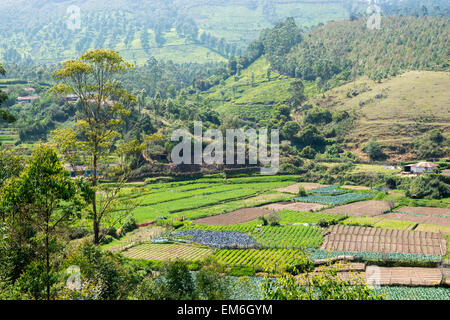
<point>421,167</point>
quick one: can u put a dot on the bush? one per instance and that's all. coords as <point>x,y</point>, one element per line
<point>263,220</point>
<point>323,223</point>
<point>274,219</point>
<point>302,191</point>
<point>308,153</point>
<point>78,233</point>
<point>106,239</point>
<point>130,224</point>
<point>428,186</point>
<point>242,271</point>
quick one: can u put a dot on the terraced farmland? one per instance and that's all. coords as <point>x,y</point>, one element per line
<point>204,197</point>
<point>286,237</point>
<point>167,252</point>
<point>259,259</point>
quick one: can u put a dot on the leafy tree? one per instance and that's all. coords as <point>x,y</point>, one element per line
<point>323,285</point>
<point>4,115</point>
<point>289,130</point>
<point>318,116</point>
<point>211,283</point>
<point>308,152</point>
<point>374,150</point>
<point>104,105</point>
<point>311,136</point>
<point>297,91</point>
<point>43,196</point>
<point>432,146</point>
<point>11,164</point>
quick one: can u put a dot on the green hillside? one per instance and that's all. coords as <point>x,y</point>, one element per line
<point>250,95</point>
<point>195,31</point>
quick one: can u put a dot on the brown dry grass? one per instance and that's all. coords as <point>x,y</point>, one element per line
<point>294,188</point>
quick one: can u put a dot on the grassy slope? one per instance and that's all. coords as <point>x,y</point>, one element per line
<point>412,104</point>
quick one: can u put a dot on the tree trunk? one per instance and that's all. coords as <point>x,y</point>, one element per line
<point>47,263</point>
<point>94,203</point>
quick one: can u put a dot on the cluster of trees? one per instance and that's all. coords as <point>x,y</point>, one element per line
<point>349,48</point>
<point>432,146</point>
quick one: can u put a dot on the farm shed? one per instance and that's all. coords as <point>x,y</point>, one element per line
<point>421,167</point>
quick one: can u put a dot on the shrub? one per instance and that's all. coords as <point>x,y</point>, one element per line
<point>274,219</point>
<point>242,271</point>
<point>78,233</point>
<point>308,153</point>
<point>130,224</point>
<point>263,220</point>
<point>106,239</point>
<point>302,191</point>
<point>323,223</point>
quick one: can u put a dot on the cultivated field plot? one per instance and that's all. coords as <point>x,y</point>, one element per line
<point>236,217</point>
<point>204,197</point>
<point>334,200</point>
<point>368,208</point>
<point>414,293</point>
<point>260,259</point>
<point>354,239</point>
<point>294,188</point>
<point>166,252</point>
<point>403,276</point>
<point>296,206</point>
<point>427,215</point>
<point>283,237</point>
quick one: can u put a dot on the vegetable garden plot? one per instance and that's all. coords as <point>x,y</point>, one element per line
<point>236,217</point>
<point>414,293</point>
<point>260,259</point>
<point>334,200</point>
<point>368,256</point>
<point>368,208</point>
<point>286,237</point>
<point>166,252</point>
<point>347,238</point>
<point>219,239</point>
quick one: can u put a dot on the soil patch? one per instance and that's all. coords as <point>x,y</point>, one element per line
<point>368,208</point>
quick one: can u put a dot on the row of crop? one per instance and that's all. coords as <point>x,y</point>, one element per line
<point>291,217</point>
<point>288,237</point>
<point>162,252</point>
<point>172,195</point>
<point>334,200</point>
<point>406,258</point>
<point>260,259</point>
